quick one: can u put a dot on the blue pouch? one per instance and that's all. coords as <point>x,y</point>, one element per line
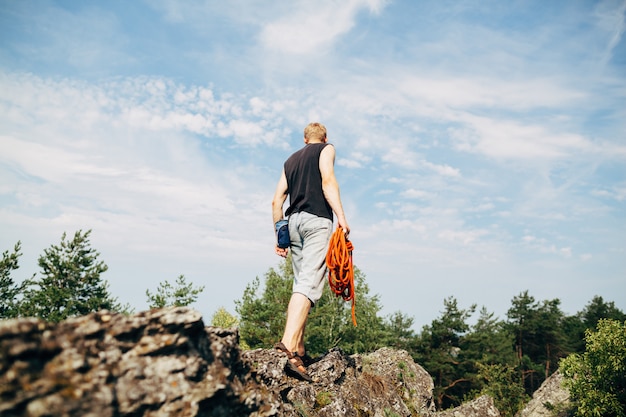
<point>282,233</point>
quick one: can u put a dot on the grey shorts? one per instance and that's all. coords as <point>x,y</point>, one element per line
<point>309,236</point>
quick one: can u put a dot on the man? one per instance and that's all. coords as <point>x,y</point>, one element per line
<point>308,178</point>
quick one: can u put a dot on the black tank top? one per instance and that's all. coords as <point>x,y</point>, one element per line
<point>304,182</point>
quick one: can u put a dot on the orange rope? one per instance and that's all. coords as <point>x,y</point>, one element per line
<point>340,268</point>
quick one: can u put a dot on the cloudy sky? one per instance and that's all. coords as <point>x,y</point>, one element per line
<point>481,145</point>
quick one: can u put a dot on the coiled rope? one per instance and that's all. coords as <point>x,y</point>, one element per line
<point>340,268</point>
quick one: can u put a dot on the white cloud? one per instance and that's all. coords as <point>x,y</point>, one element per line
<point>416,194</point>
<point>508,139</point>
<point>312,26</point>
<point>542,245</point>
<point>258,105</point>
<point>456,149</point>
<point>617,193</point>
<point>464,237</point>
<point>138,169</point>
<point>444,170</point>
<point>348,163</point>
<point>455,92</point>
<point>481,208</point>
<point>610,18</point>
<point>397,154</point>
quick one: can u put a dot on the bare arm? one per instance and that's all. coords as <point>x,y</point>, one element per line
<point>280,195</point>
<point>331,187</point>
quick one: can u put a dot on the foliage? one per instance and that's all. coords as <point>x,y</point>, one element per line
<point>9,290</point>
<point>574,327</point>
<point>490,362</point>
<point>322,399</point>
<point>222,318</point>
<point>262,319</point>
<point>70,284</point>
<point>489,341</point>
<point>399,332</point>
<point>329,324</point>
<point>438,350</point>
<point>180,295</point>
<point>597,309</point>
<point>596,378</point>
<point>503,384</point>
<point>539,338</point>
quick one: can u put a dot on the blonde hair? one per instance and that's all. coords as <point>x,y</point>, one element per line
<point>315,131</point>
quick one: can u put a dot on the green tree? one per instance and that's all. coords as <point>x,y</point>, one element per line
<point>9,289</point>
<point>489,358</point>
<point>439,351</point>
<point>522,319</point>
<point>503,383</point>
<point>489,341</point>
<point>596,378</point>
<point>222,318</point>
<point>329,324</point>
<point>575,326</point>
<point>540,340</point>
<point>181,294</point>
<point>262,318</point>
<point>573,329</point>
<point>597,309</point>
<point>400,333</point>
<point>551,342</point>
<point>70,284</point>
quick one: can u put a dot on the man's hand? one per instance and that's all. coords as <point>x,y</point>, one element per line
<point>344,226</point>
<point>281,251</point>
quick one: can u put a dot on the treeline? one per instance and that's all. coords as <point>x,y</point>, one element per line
<point>507,358</point>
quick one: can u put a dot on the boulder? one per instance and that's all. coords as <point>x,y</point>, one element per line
<point>385,382</point>
<point>168,363</point>
<point>482,406</point>
<point>550,400</point>
<point>156,363</point>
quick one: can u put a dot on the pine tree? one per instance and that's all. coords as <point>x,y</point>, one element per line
<point>439,350</point>
<point>70,282</point>
<point>540,339</point>
<point>262,312</point>
<point>167,295</point>
<point>262,317</point>
<point>9,289</point>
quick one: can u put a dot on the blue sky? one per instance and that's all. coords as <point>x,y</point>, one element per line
<point>481,145</point>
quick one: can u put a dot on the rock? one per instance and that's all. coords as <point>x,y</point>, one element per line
<point>168,363</point>
<point>482,406</point>
<point>156,363</point>
<point>411,381</point>
<point>378,384</point>
<point>548,400</point>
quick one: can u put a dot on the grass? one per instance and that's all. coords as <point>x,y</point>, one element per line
<point>322,399</point>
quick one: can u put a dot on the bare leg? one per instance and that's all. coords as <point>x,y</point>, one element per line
<point>297,314</point>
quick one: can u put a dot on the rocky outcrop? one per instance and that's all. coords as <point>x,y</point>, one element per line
<point>159,363</point>
<point>482,406</point>
<point>168,363</point>
<point>384,382</point>
<point>550,400</point>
